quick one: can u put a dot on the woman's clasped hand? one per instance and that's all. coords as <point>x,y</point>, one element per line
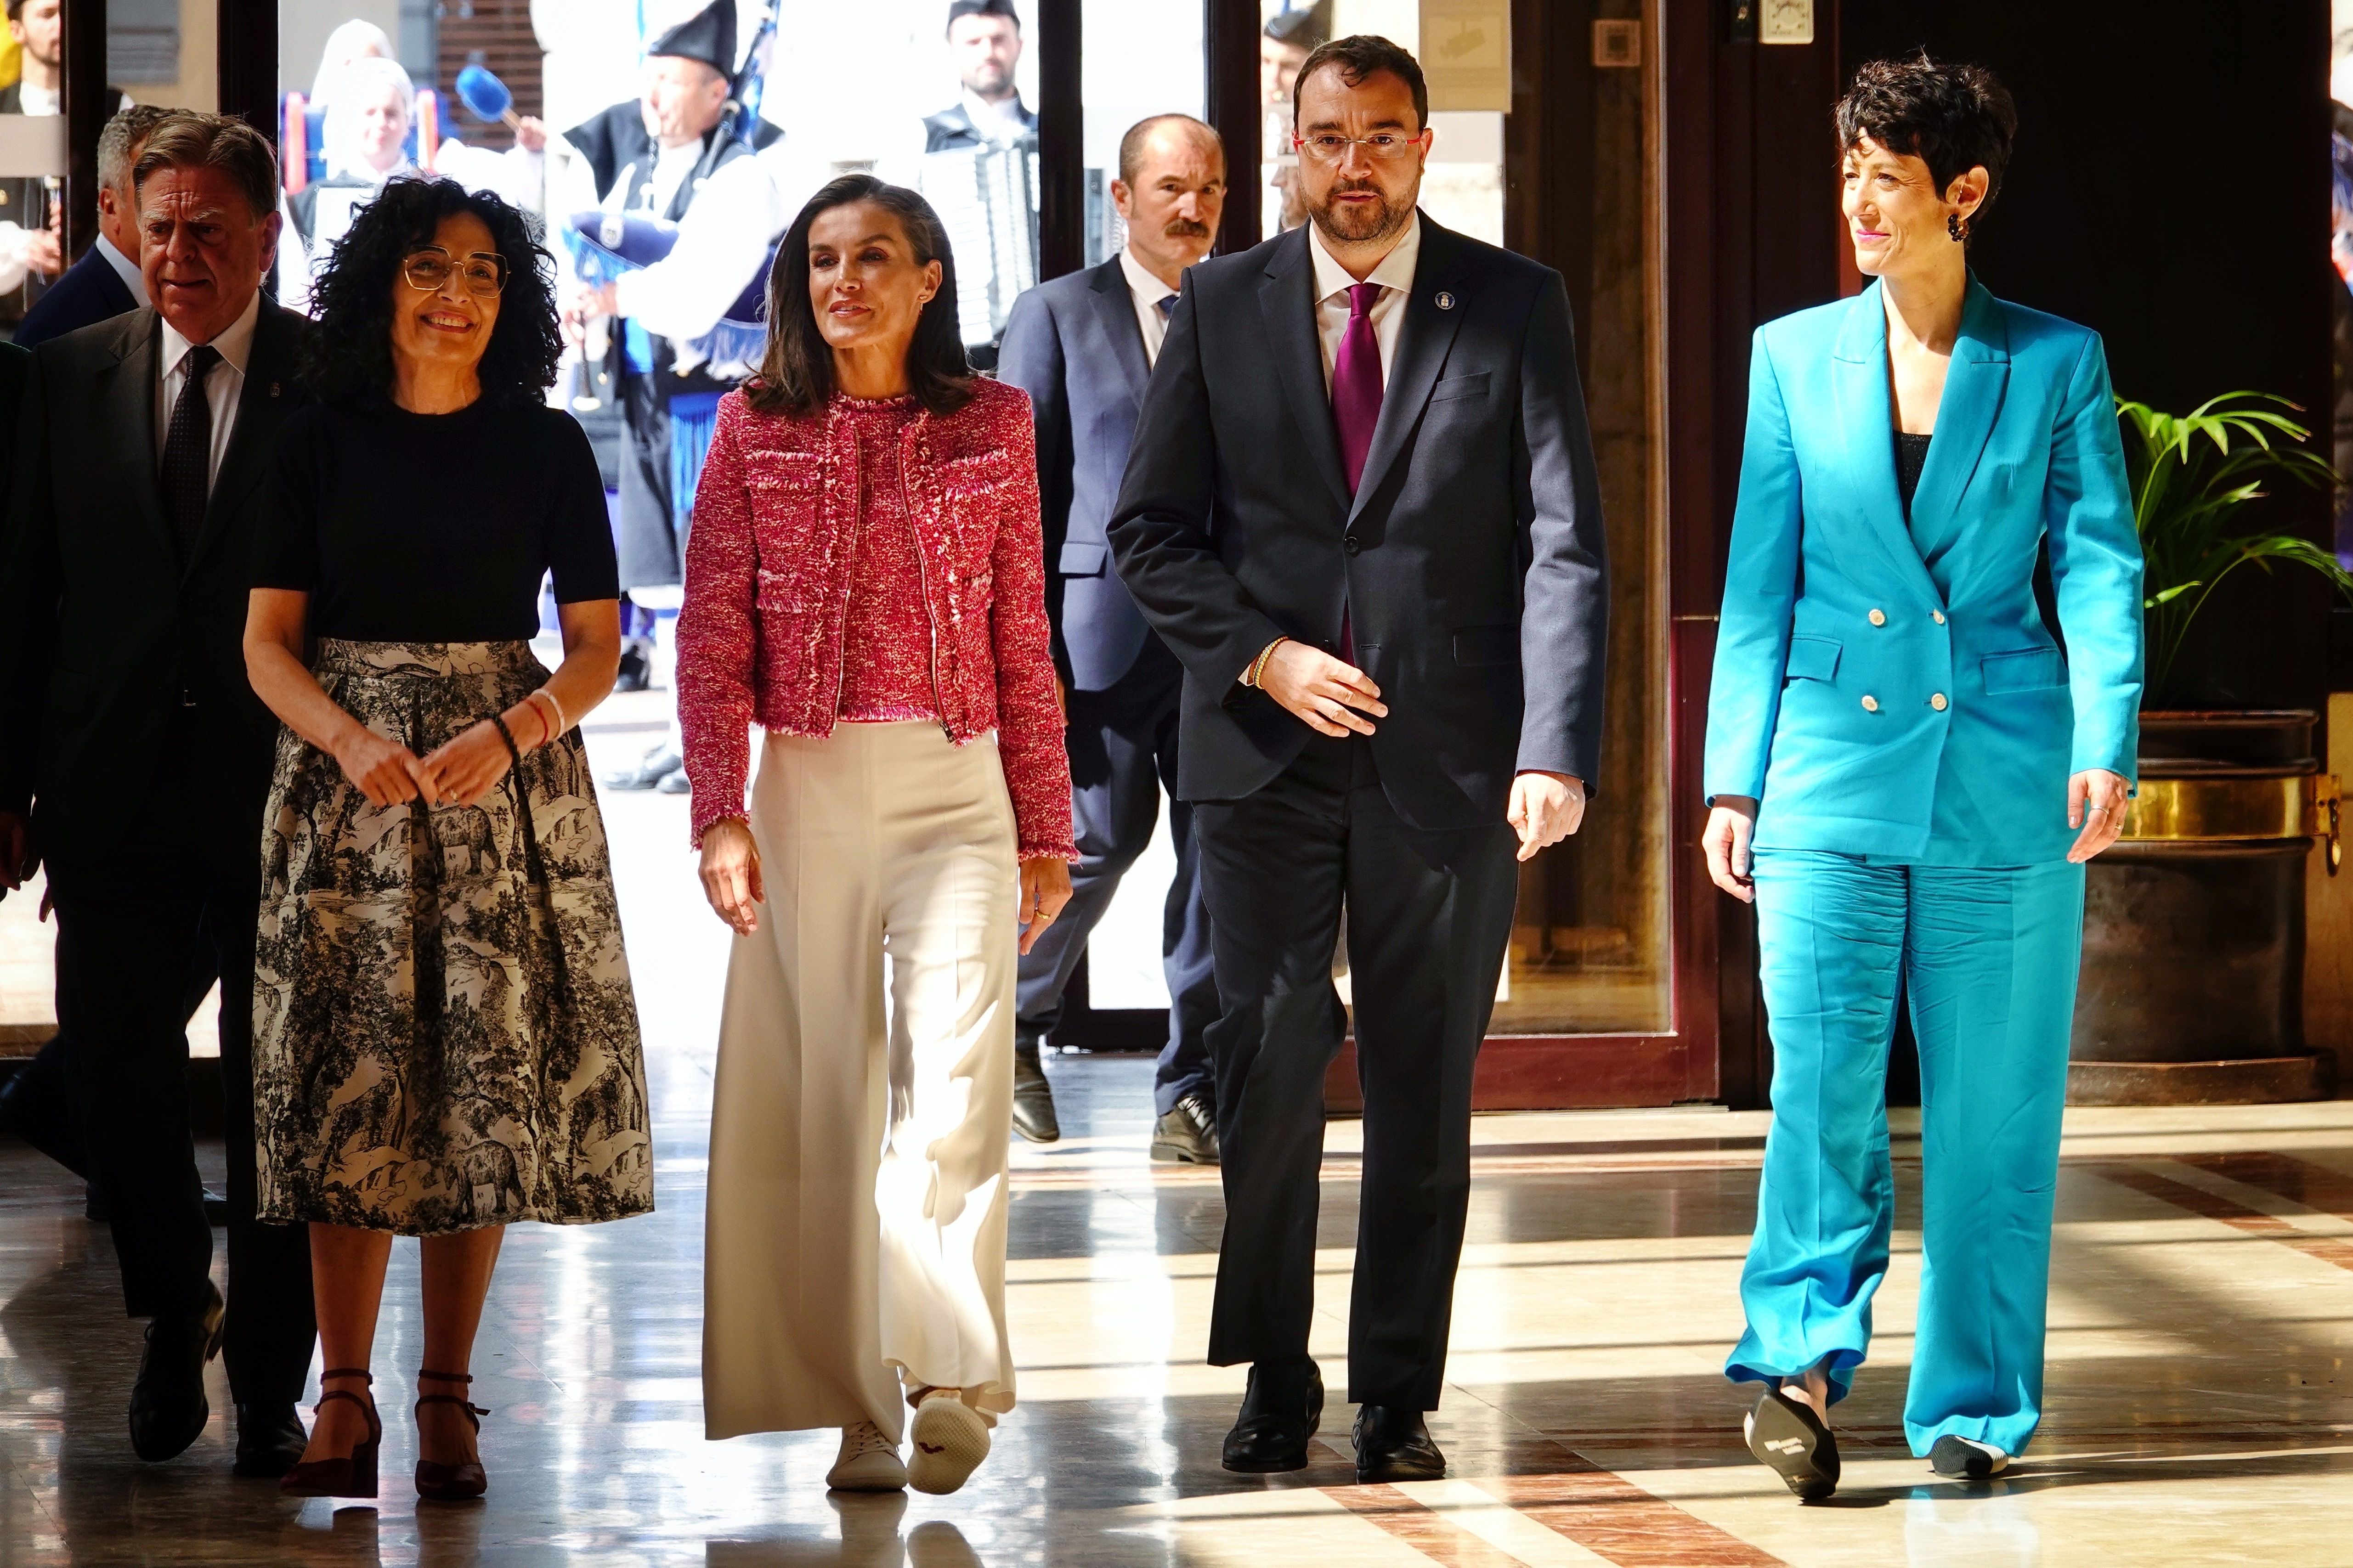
<point>461,771</point>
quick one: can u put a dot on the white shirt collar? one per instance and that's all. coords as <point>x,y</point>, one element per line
<point>234,342</point>
<point>124,269</point>
<point>1396,271</point>
<point>1147,289</point>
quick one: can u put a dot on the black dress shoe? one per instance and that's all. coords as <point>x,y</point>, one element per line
<point>636,671</point>
<point>270,1440</point>
<point>1786,1433</point>
<point>217,1212</point>
<point>647,771</point>
<point>1188,1135</point>
<point>168,1408</point>
<point>1393,1445</point>
<point>1033,1096</point>
<point>1281,1408</point>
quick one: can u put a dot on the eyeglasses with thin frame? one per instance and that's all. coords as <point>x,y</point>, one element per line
<point>1381,146</point>
<point>484,273</point>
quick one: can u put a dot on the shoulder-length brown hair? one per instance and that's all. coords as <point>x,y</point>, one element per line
<point>797,372</point>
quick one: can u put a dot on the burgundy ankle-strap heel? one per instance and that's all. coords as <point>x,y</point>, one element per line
<point>437,1482</point>
<point>353,1475</point>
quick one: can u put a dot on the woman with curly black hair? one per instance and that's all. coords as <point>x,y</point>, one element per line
<point>445,1038</point>
<point>1908,763</point>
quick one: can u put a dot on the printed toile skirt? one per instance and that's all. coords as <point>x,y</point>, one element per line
<point>445,1035</point>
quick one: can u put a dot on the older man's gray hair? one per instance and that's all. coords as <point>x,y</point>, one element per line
<point>120,138</point>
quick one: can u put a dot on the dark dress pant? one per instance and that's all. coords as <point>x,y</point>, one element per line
<point>1123,749</point>
<point>1430,918</point>
<point>130,935</point>
<point>649,544</point>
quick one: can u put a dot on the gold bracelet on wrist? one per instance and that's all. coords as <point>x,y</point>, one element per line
<point>1256,675</point>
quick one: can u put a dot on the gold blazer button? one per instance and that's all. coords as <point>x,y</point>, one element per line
<point>1937,616</point>
<point>1879,618</point>
<point>1936,701</point>
<point>1871,704</point>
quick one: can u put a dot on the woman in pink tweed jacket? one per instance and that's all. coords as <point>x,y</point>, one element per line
<point>865,582</point>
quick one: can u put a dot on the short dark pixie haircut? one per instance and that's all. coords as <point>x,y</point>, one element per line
<point>347,358</point>
<point>1954,118</point>
<point>797,372</point>
<point>185,139</point>
<point>1357,56</point>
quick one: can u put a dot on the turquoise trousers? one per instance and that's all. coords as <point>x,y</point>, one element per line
<point>1988,957</point>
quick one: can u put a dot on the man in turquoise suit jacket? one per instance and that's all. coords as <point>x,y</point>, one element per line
<point>1912,733</point>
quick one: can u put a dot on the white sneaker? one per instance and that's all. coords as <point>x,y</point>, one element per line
<point>949,1442</point>
<point>869,1462</point>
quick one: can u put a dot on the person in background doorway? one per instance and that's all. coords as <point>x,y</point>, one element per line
<point>651,158</point>
<point>106,282</point>
<point>1907,768</point>
<point>1363,512</point>
<point>1082,347</point>
<point>864,584</point>
<point>142,756</point>
<point>31,244</point>
<point>984,40</point>
<point>1282,49</point>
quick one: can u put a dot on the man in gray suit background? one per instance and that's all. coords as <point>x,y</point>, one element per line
<point>1082,347</point>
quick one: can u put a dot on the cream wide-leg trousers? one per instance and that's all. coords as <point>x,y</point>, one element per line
<point>857,1203</point>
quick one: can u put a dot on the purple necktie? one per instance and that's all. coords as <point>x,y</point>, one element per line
<point>1356,383</point>
<point>1356,405</point>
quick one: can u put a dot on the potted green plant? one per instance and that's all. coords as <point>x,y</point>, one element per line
<point>2193,940</point>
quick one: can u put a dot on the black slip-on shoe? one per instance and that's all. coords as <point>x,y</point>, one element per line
<point>269,1440</point>
<point>1281,1409</point>
<point>1787,1435</point>
<point>1394,1445</point>
<point>168,1407</point>
<point>1958,1459</point>
<point>1033,1098</point>
<point>1188,1135</point>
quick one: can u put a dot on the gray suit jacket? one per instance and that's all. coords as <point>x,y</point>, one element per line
<point>1469,561</point>
<point>1075,347</point>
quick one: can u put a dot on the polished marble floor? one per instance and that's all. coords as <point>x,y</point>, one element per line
<point>2201,1316</point>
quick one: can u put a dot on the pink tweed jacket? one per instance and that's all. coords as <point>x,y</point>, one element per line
<point>768,592</point>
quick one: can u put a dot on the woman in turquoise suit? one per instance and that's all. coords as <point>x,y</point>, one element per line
<point>1910,756</point>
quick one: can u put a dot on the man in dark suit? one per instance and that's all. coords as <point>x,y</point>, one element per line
<point>1362,512</point>
<point>1082,347</point>
<point>134,758</point>
<point>106,282</point>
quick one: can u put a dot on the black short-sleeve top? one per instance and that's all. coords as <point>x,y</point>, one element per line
<point>434,526</point>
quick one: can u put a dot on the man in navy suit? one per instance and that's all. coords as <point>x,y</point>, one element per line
<point>1082,347</point>
<point>1362,512</point>
<point>105,282</point>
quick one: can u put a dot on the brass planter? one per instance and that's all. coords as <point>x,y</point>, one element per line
<point>2193,940</point>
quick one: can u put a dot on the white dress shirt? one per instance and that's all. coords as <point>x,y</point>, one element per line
<point>1148,292</point>
<point>1394,274</point>
<point>124,267</point>
<point>222,390</point>
<point>1000,121</point>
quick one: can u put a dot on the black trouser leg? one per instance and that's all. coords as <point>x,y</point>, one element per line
<point>41,1109</point>
<point>1273,866</point>
<point>1187,958</point>
<point>125,944</point>
<point>1429,918</point>
<point>1112,736</point>
<point>270,1326</point>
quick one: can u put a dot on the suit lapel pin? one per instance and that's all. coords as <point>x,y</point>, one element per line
<point>1445,301</point>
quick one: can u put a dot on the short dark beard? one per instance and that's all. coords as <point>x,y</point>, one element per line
<point>1000,85</point>
<point>1391,219</point>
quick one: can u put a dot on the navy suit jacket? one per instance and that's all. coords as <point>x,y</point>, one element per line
<point>1469,563</point>
<point>89,292</point>
<point>1073,345</point>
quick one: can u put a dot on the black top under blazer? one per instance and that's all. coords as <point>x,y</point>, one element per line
<point>120,630</point>
<point>1470,561</point>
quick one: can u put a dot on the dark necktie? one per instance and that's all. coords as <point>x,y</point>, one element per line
<point>1166,304</point>
<point>1356,383</point>
<point>188,452</point>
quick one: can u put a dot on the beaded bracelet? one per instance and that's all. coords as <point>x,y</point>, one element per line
<point>1258,667</point>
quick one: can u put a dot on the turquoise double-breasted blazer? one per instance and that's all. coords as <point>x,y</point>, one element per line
<point>1891,690</point>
